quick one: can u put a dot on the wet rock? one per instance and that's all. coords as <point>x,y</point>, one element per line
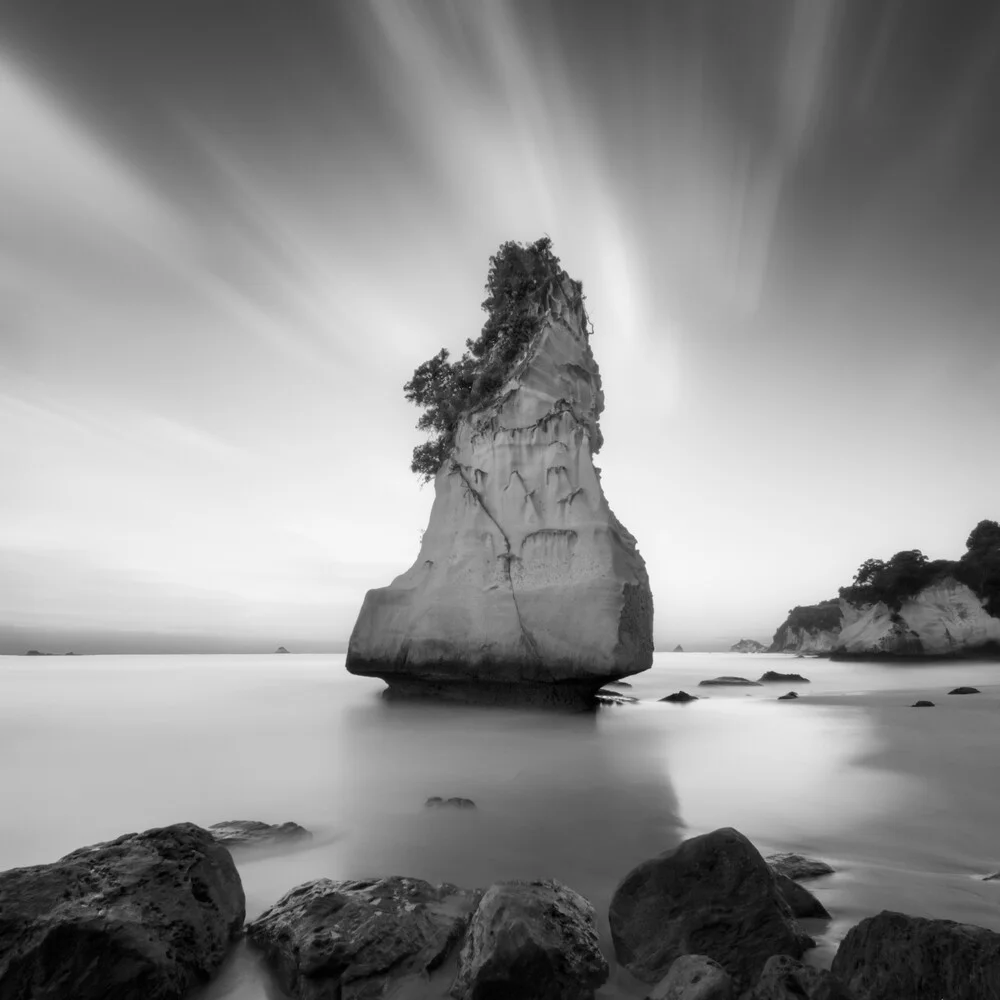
<point>455,802</point>
<point>694,977</point>
<point>606,697</point>
<point>774,675</point>
<point>965,690</point>
<point>729,682</point>
<point>680,697</point>
<point>786,978</point>
<point>148,915</point>
<point>798,866</point>
<point>893,956</point>
<point>922,704</point>
<point>362,939</point>
<point>803,904</point>
<point>254,833</point>
<point>791,696</point>
<point>713,895</point>
<point>533,941</point>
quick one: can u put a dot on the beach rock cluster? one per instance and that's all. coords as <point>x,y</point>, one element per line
<point>155,914</point>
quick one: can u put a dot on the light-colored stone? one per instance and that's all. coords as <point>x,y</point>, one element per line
<point>694,977</point>
<point>796,639</point>
<point>531,940</point>
<point>526,581</point>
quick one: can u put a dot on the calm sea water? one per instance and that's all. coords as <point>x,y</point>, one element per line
<point>902,802</point>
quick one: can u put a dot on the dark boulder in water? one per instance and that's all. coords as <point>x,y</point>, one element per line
<point>791,696</point>
<point>713,895</point>
<point>455,802</point>
<point>729,682</point>
<point>360,939</point>
<point>798,866</point>
<point>680,697</point>
<point>893,956</point>
<point>774,675</point>
<point>965,690</point>
<point>533,941</point>
<point>678,648</point>
<point>148,915</point>
<point>922,704</point>
<point>254,833</point>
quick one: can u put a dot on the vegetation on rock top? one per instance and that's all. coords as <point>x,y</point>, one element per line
<point>517,286</point>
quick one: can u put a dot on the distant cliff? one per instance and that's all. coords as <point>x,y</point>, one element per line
<point>908,606</point>
<point>748,646</point>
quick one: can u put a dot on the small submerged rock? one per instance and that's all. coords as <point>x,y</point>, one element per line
<point>729,682</point>
<point>148,915</point>
<point>254,833</point>
<point>774,675</point>
<point>791,696</point>
<point>361,939</point>
<point>798,866</point>
<point>922,704</point>
<point>965,690</point>
<point>455,802</point>
<point>786,978</point>
<point>680,697</point>
<point>532,940</point>
<point>694,977</point>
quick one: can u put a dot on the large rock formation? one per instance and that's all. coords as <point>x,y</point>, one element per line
<point>748,646</point>
<point>810,628</point>
<point>148,915</point>
<point>526,585</point>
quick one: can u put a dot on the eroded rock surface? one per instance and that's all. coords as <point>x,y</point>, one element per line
<point>713,895</point>
<point>360,940</point>
<point>526,587</point>
<point>893,955</point>
<point>694,977</point>
<point>148,915</point>
<point>786,978</point>
<point>531,940</point>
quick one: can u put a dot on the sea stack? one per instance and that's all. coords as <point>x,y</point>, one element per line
<point>527,587</point>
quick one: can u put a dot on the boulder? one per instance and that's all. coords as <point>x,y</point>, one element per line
<point>713,895</point>
<point>965,690</point>
<point>798,866</point>
<point>253,833</point>
<point>922,704</point>
<point>531,940</point>
<point>520,539</point>
<point>694,977</point>
<point>786,978</point>
<point>360,940</point>
<point>803,904</point>
<point>729,682</point>
<point>148,915</point>
<point>773,675</point>
<point>455,802</point>
<point>892,955</point>
<point>680,697</point>
<point>791,696</point>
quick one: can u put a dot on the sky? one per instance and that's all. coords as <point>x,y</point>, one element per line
<point>230,232</point>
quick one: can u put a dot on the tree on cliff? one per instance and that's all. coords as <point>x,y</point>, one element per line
<point>519,279</point>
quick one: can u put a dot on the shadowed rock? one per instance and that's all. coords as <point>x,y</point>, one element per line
<point>798,866</point>
<point>774,675</point>
<point>455,802</point>
<point>363,939</point>
<point>803,904</point>
<point>965,690</point>
<point>922,704</point>
<point>680,697</point>
<point>893,956</point>
<point>713,895</point>
<point>694,977</point>
<point>791,696</point>
<point>729,682</point>
<point>533,941</point>
<point>786,978</point>
<point>148,915</point>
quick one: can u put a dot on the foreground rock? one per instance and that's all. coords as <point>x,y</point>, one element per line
<point>694,977</point>
<point>253,833</point>
<point>893,956</point>
<point>786,978</point>
<point>533,941</point>
<point>803,904</point>
<point>148,915</point>
<point>729,682</point>
<point>713,895</point>
<point>748,646</point>
<point>798,866</point>
<point>680,697</point>
<point>360,940</point>
<point>773,675</point>
<point>520,538</point>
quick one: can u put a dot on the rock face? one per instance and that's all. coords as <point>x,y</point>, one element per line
<point>360,940</point>
<point>810,628</point>
<point>713,895</point>
<point>533,941</point>
<point>148,915</point>
<point>694,977</point>
<point>785,978</point>
<point>526,587</point>
<point>748,646</point>
<point>254,833</point>
<point>892,955</point>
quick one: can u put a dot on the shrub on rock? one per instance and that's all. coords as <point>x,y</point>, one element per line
<point>148,915</point>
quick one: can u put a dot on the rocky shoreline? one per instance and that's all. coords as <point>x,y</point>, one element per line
<point>155,915</point>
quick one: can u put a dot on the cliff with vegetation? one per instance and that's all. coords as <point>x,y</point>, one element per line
<point>526,585</point>
<point>909,606</point>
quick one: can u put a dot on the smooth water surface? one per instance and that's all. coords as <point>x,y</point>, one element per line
<point>901,801</point>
